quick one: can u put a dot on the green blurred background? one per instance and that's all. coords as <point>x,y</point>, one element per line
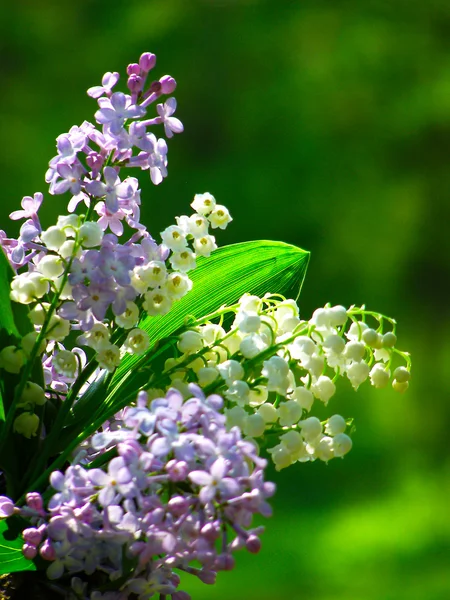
<point>322,123</point>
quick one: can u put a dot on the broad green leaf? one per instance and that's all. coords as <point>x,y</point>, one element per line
<point>11,542</point>
<point>258,268</point>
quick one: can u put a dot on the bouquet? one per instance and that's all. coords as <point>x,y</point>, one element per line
<point>146,383</point>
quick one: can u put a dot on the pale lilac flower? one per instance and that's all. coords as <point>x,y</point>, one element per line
<point>171,124</point>
<point>112,190</point>
<point>109,80</point>
<point>96,297</point>
<point>70,179</point>
<point>116,110</point>
<point>108,219</point>
<point>6,507</point>
<point>30,207</point>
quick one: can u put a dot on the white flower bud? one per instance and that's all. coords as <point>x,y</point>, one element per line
<point>357,373</point>
<point>334,343</point>
<point>379,376</point>
<point>212,332</point>
<point>286,309</point>
<point>268,412</point>
<point>219,217</point>
<point>372,338</point>
<point>247,322</point>
<point>311,428</point>
<point>195,225</point>
<point>65,363</point>
<point>183,261</point>
<point>258,395</point>
<point>54,237</point>
<point>248,303</point>
<point>292,440</point>
<point>32,393</point>
<point>51,266</point>
<point>389,340</point>
<point>252,345</point>
<point>90,234</point>
<point>323,389</point>
<point>254,425</point>
<point>137,342</point>
<point>281,457</point>
<point>203,204</point>
<point>205,245</point>
<point>12,359</point>
<point>151,275</point>
<point>400,386</point>
<point>382,354</point>
<point>402,375</point>
<point>276,370</point>
<point>26,424</point>
<point>355,351</point>
<point>70,223</point>
<point>323,448</point>
<point>290,412</point>
<point>38,313</point>
<point>129,317</point>
<point>177,285</point>
<point>190,342</point>
<point>28,341</point>
<point>342,444</point>
<point>58,328</point>
<point>97,337</point>
<point>232,342</point>
<point>304,397</point>
<point>335,424</point>
<point>321,318</point>
<point>157,302</point>
<point>231,370</point>
<point>67,249</point>
<point>356,330</point>
<point>236,417</point>
<point>207,375</point>
<point>109,357</point>
<point>302,346</point>
<point>27,287</point>
<point>337,315</point>
<point>238,392</point>
<point>174,238</point>
<point>66,291</point>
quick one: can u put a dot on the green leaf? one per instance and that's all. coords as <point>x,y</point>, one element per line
<point>258,268</point>
<point>11,542</point>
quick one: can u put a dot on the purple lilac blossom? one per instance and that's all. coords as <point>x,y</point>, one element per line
<point>159,511</point>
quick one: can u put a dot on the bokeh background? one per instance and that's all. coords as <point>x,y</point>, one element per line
<point>322,123</point>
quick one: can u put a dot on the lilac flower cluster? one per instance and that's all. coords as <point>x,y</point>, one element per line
<point>77,275</point>
<point>181,488</point>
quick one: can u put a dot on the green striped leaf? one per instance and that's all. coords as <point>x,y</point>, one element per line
<point>258,268</point>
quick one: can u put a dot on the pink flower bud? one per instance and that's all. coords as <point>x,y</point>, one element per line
<point>253,544</point>
<point>29,551</point>
<point>133,69</point>
<point>32,536</point>
<point>147,61</point>
<point>47,551</point>
<point>34,501</point>
<point>224,562</point>
<point>168,84</point>
<point>135,84</point>
<point>208,577</point>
